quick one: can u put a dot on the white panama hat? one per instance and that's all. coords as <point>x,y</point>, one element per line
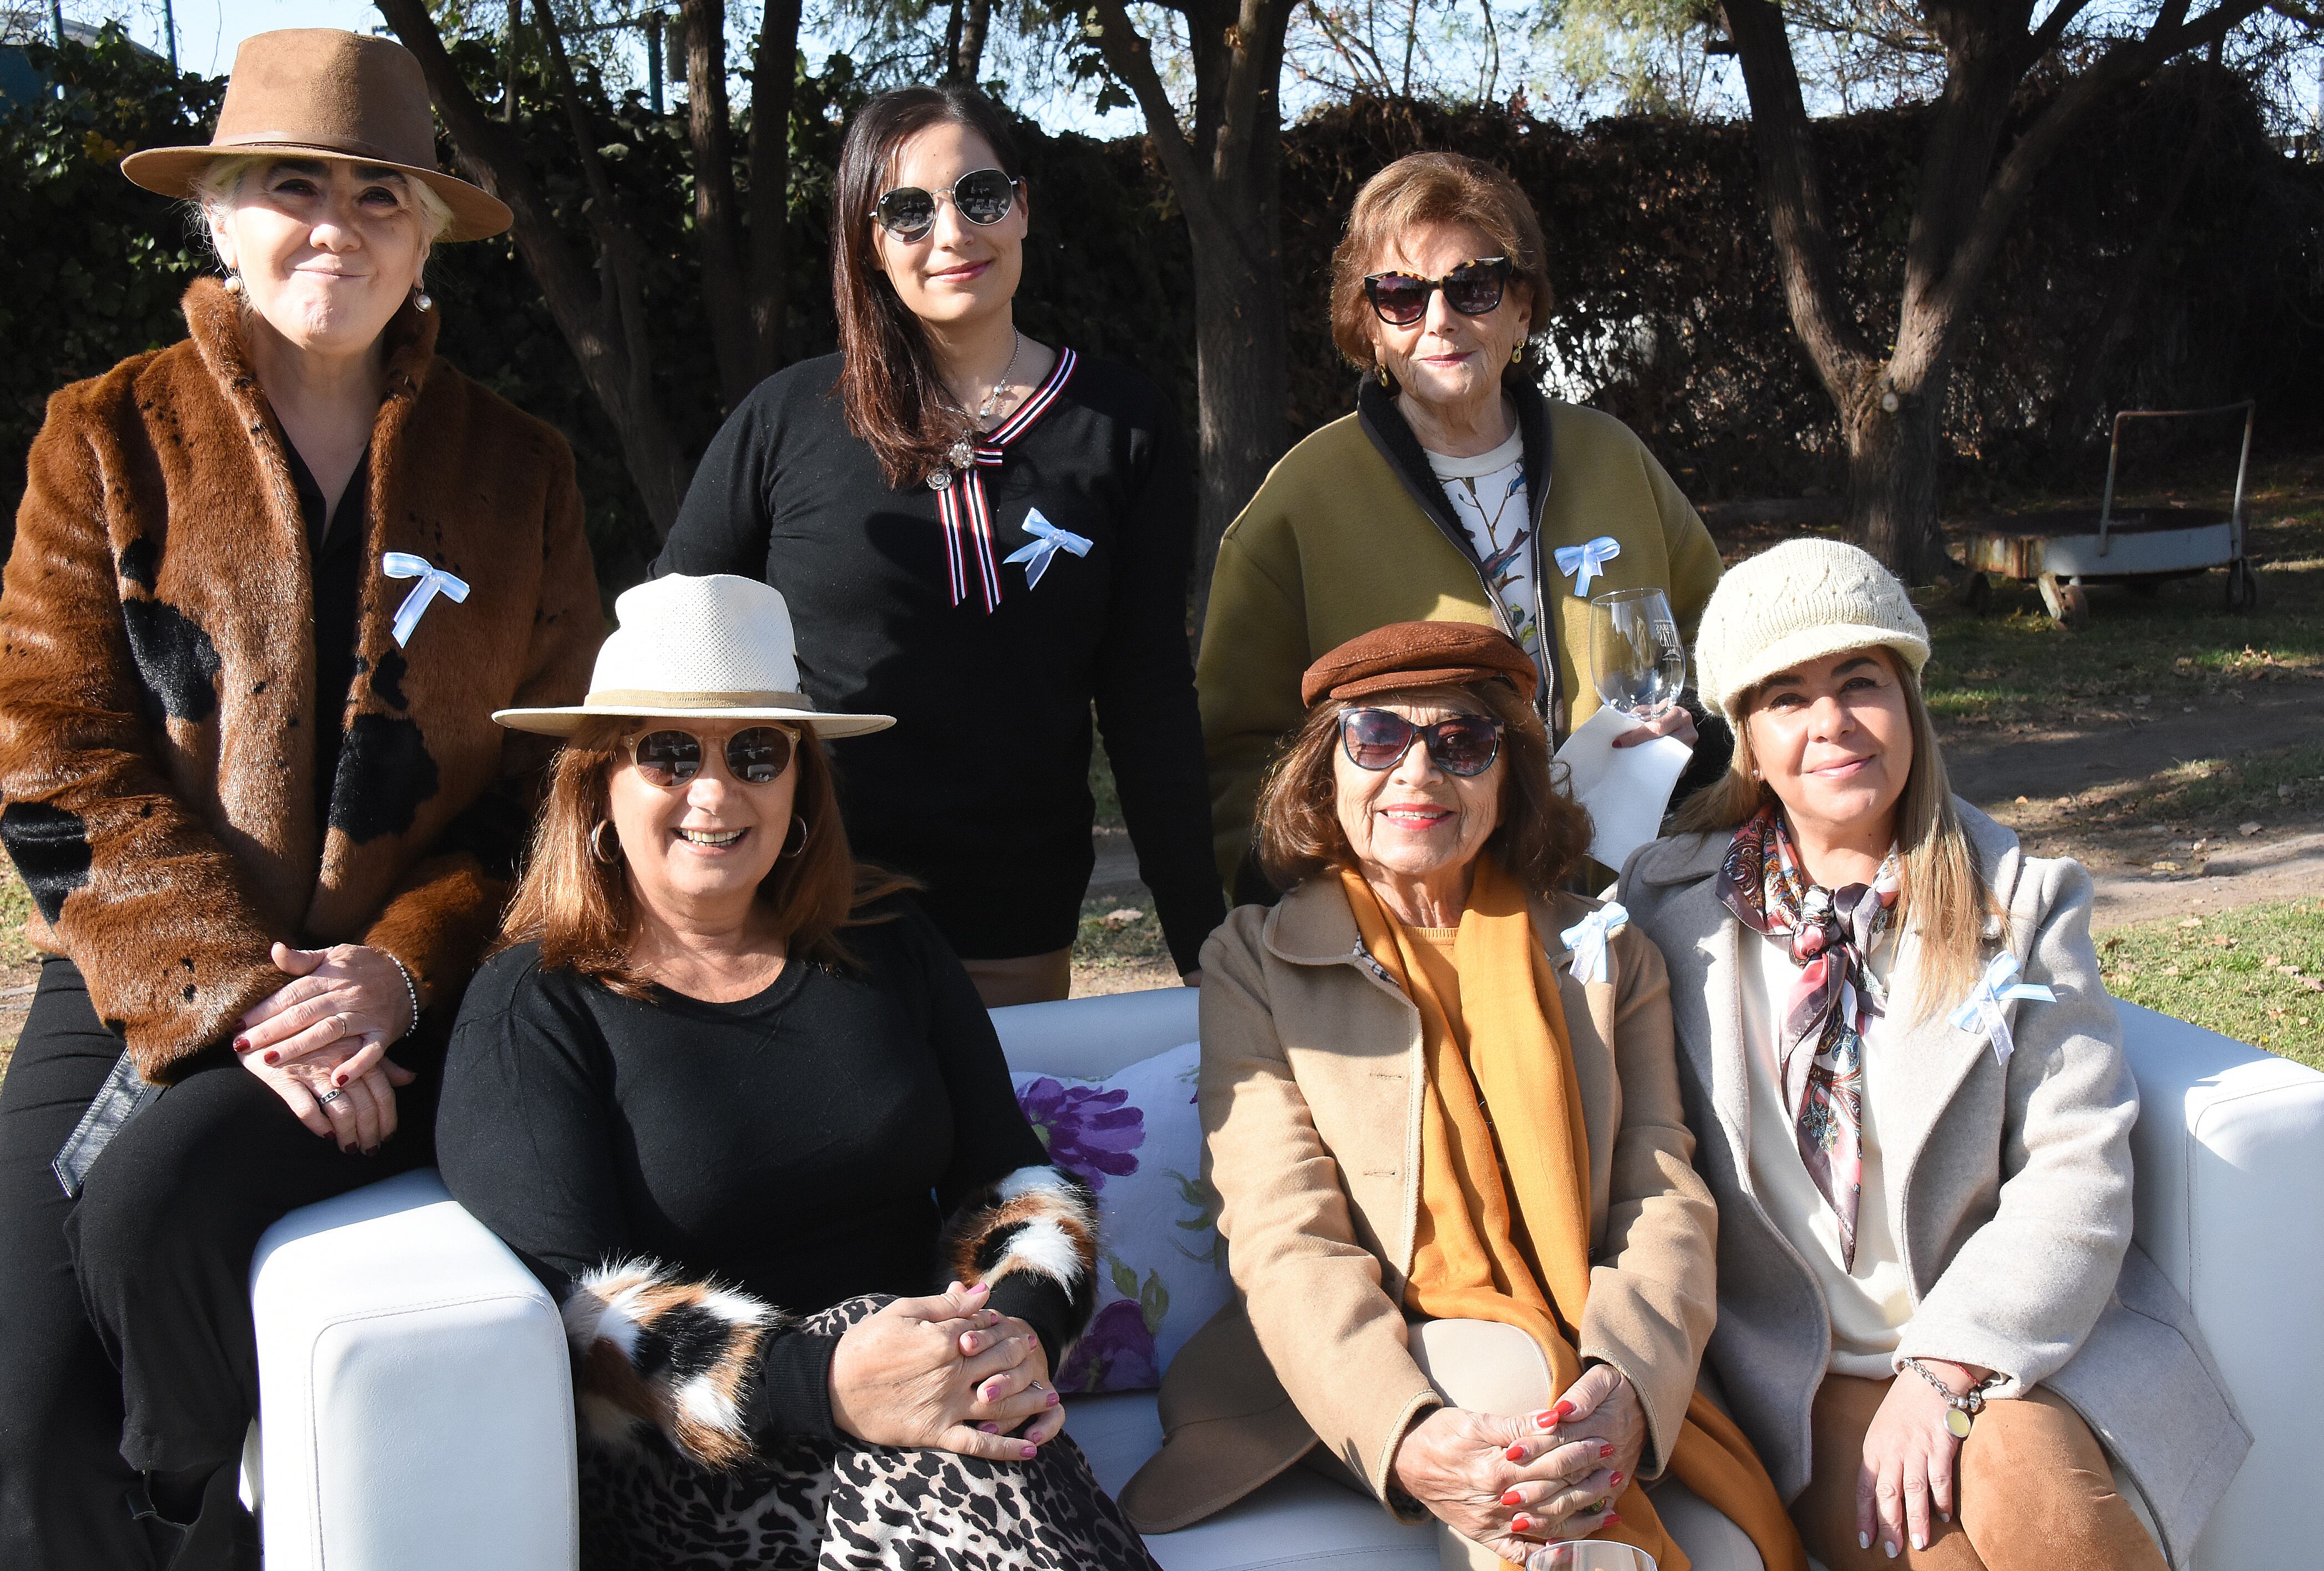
<point>693,649</point>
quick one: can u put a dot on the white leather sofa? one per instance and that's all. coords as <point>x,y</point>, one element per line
<point>416,1408</point>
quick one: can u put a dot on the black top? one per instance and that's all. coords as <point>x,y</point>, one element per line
<point>335,550</point>
<point>803,1144</point>
<point>982,788</point>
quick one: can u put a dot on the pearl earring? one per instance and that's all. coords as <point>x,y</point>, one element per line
<point>421,300</point>
<point>234,286</point>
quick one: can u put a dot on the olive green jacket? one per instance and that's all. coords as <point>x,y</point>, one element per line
<point>1350,531</point>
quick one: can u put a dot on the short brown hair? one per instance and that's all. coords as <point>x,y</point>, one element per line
<point>888,383</point>
<point>1431,188</point>
<point>1542,834</point>
<point>577,907</point>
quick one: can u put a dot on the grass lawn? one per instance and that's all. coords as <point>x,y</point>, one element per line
<point>2140,654</point>
<point>2256,973</point>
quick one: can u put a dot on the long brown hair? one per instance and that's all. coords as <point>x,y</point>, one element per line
<point>888,376</point>
<point>577,909</point>
<point>1942,894</point>
<point>1542,836</point>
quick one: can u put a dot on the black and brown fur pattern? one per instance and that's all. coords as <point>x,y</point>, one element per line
<point>1037,1220</point>
<point>656,1351</point>
<point>157,682</point>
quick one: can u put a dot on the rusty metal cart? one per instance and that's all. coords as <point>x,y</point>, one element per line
<point>2064,549</point>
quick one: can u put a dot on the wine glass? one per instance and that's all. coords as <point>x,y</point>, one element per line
<point>1589,1555</point>
<point>1636,655</point>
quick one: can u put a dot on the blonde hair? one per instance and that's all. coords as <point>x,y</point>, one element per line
<point>219,186</point>
<point>1942,898</point>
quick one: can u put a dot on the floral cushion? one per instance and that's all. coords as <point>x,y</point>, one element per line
<point>1137,1139</point>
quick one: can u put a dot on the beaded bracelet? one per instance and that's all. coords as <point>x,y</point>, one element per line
<point>409,991</point>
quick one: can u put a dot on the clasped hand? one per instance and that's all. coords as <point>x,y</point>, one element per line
<point>320,1042</point>
<point>1512,1483</point>
<point>946,1372</point>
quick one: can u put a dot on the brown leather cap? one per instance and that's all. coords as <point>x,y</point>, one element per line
<point>1420,654</point>
<point>317,92</point>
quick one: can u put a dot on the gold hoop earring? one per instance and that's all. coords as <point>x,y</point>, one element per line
<point>598,843</point>
<point>1383,375</point>
<point>799,833</point>
<point>1517,355</point>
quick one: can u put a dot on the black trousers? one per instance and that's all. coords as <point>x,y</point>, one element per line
<point>126,1338</point>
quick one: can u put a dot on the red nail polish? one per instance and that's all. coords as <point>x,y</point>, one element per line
<point>1611,1518</point>
<point>1617,1482</point>
<point>1520,1524</point>
<point>1559,1413</point>
<point>1604,1452</point>
<point>241,1044</point>
<point>1513,1498</point>
<point>339,1080</point>
<point>1544,1421</point>
<point>1516,1453</point>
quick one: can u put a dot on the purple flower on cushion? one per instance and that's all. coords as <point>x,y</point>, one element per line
<point>1116,1353</point>
<point>1087,1130</point>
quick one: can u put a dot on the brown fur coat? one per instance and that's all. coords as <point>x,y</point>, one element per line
<point>157,682</point>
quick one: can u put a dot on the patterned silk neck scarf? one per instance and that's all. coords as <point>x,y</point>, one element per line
<point>1819,1050</point>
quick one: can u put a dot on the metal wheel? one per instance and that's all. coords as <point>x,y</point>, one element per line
<point>2069,605</point>
<point>2242,586</point>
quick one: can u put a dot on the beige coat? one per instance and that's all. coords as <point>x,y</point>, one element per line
<point>2009,1185</point>
<point>1311,1102</point>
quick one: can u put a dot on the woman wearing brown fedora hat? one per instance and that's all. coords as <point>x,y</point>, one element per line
<point>268,586</point>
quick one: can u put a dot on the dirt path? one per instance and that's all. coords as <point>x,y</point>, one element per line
<point>1989,767</point>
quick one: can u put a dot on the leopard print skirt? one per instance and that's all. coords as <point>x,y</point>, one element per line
<point>842,1505</point>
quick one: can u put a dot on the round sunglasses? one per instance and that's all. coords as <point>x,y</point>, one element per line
<point>1474,288</point>
<point>981,195</point>
<point>1464,744</point>
<point>671,759</point>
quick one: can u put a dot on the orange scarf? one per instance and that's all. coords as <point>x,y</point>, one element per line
<point>1493,1034</point>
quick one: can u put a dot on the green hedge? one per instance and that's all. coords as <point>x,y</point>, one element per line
<point>1669,308</point>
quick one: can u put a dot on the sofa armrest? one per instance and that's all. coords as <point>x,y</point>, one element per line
<point>415,1399</point>
<point>2230,1151</point>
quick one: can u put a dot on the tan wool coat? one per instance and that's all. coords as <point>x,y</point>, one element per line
<point>1311,1093</point>
<point>2009,1185</point>
<point>157,682</point>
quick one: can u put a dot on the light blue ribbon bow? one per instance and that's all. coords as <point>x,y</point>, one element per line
<point>1982,1011</point>
<point>1047,540</point>
<point>433,581</point>
<point>1586,561</point>
<point>1587,939</point>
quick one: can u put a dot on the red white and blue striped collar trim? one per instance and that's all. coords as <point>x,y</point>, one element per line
<point>1037,403</point>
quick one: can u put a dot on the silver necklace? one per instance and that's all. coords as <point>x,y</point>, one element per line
<point>963,452</point>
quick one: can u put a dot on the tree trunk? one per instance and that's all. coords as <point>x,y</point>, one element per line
<point>594,307</point>
<point>1228,177</point>
<point>773,86</point>
<point>1892,486</point>
<point>968,55</point>
<point>1243,354</point>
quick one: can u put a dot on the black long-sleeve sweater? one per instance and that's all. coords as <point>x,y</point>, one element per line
<point>803,1144</point>
<point>982,788</point>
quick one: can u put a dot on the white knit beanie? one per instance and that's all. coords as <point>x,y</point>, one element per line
<point>1801,601</point>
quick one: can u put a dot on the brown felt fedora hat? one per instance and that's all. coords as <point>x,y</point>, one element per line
<point>317,92</point>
